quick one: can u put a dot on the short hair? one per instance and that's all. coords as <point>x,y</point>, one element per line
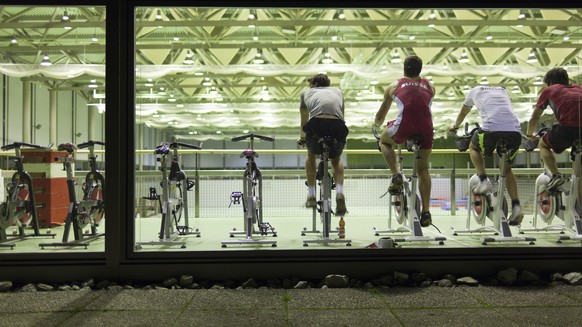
<point>319,80</point>
<point>412,66</point>
<point>557,76</point>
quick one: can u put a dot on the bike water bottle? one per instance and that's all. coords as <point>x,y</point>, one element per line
<point>342,228</point>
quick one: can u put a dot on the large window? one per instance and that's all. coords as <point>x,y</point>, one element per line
<point>208,78</point>
<point>52,73</point>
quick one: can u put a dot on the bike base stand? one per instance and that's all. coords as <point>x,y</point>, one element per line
<point>327,241</point>
<point>82,242</point>
<point>248,241</point>
<point>182,244</point>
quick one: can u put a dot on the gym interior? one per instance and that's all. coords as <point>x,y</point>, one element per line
<point>127,132</point>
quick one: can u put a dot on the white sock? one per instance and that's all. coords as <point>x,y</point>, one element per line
<point>310,191</point>
<point>339,188</point>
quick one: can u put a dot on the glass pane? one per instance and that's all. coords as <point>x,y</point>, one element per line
<point>53,76</point>
<point>207,79</point>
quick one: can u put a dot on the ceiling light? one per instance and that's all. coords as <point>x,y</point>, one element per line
<point>484,80</point>
<point>65,17</point>
<point>326,57</point>
<point>259,57</point>
<point>288,30</point>
<point>189,60</point>
<point>334,38</point>
<point>466,89</point>
<point>566,38</point>
<point>412,37</point>
<point>255,38</point>
<point>251,16</point>
<point>45,61</point>
<point>489,37</point>
<point>515,90</point>
<point>375,82</point>
<point>431,18</point>
<point>93,84</point>
<point>340,14</point>
<point>207,83</point>
<point>395,58</point>
<point>464,58</point>
<point>159,15</point>
<point>538,81</point>
<point>94,38</point>
<point>13,40</point>
<point>532,57</point>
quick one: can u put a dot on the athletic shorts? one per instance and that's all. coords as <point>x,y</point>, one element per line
<point>487,142</point>
<point>400,135</point>
<point>317,128</point>
<point>561,137</point>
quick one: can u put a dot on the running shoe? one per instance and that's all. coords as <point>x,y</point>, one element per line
<point>396,184</point>
<point>425,219</point>
<point>340,205</point>
<point>483,187</point>
<point>516,216</point>
<point>311,202</point>
<point>556,181</point>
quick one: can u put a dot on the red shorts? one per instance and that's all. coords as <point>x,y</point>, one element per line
<point>400,135</point>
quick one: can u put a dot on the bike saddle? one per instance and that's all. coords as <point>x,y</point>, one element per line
<point>327,139</point>
<point>502,147</point>
<point>162,149</point>
<point>412,142</point>
<point>249,153</point>
<point>69,147</point>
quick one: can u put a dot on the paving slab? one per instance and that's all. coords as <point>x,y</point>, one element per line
<point>45,319</point>
<point>342,317</point>
<point>518,296</point>
<point>447,317</point>
<point>122,318</point>
<point>334,298</point>
<point>237,299</point>
<point>239,318</point>
<point>55,301</point>
<point>138,299</point>
<point>425,297</point>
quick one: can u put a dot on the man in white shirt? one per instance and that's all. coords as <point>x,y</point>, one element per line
<point>498,121</point>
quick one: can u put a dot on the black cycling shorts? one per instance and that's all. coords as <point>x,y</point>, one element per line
<point>487,142</point>
<point>560,137</point>
<point>316,128</point>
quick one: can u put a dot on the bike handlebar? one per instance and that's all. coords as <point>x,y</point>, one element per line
<point>17,145</point>
<point>175,145</point>
<point>89,143</point>
<point>252,136</point>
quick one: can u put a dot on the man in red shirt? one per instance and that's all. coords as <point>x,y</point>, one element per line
<point>413,97</point>
<point>565,99</point>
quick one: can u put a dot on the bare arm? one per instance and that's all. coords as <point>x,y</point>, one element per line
<point>304,119</point>
<point>461,117</point>
<point>385,106</point>
<point>533,121</point>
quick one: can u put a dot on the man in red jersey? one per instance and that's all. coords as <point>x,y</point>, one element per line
<point>565,99</point>
<point>413,97</point>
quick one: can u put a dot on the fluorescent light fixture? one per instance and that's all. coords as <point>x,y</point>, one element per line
<point>484,81</point>
<point>464,58</point>
<point>93,84</point>
<point>45,61</point>
<point>13,40</point>
<point>532,57</point>
<point>395,58</point>
<point>538,81</point>
<point>515,90</point>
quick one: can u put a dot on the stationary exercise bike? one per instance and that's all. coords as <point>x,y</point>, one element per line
<point>252,196</point>
<point>492,205</point>
<point>557,202</point>
<point>406,202</point>
<point>91,209</point>
<point>324,203</point>
<point>19,210</point>
<point>174,198</point>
